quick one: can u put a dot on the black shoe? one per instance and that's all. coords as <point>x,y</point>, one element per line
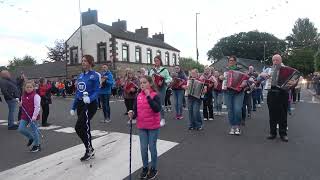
<point>199,128</point>
<point>284,138</point>
<point>152,174</point>
<point>30,142</point>
<point>87,155</point>
<point>243,123</point>
<point>14,127</point>
<point>35,148</point>
<point>125,113</point>
<point>144,173</point>
<point>271,137</point>
<point>46,124</point>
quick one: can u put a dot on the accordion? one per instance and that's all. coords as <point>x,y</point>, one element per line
<point>234,80</point>
<point>195,88</point>
<point>157,78</point>
<point>177,83</point>
<point>129,85</point>
<point>286,77</point>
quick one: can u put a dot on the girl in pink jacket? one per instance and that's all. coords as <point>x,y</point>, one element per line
<point>147,113</point>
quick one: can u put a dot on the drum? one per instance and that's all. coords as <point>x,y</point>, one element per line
<point>157,79</point>
<point>195,88</point>
<point>235,79</point>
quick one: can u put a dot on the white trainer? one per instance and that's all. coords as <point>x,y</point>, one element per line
<point>162,122</point>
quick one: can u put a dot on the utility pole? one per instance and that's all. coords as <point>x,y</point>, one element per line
<point>81,50</point>
<point>197,51</point>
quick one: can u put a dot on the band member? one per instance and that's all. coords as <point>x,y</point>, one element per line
<point>234,101</point>
<point>85,102</point>
<point>210,81</point>
<point>277,100</point>
<point>217,92</point>
<point>178,90</point>
<point>106,85</point>
<point>45,93</point>
<point>131,83</point>
<point>147,111</point>
<point>167,100</point>
<point>195,120</point>
<point>162,79</point>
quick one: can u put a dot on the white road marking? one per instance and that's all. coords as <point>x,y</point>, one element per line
<point>3,124</point>
<point>97,133</point>
<point>66,130</point>
<point>49,127</point>
<point>2,121</point>
<point>111,161</point>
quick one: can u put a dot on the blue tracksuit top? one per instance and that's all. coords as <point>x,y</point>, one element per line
<point>87,82</point>
<point>109,82</point>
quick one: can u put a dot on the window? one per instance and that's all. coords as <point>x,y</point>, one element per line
<point>158,53</point>
<point>102,52</point>
<point>125,53</point>
<point>138,55</point>
<point>149,56</point>
<point>167,59</point>
<point>174,59</point>
<point>74,55</point>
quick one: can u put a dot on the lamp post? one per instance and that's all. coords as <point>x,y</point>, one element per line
<point>197,52</point>
<point>81,51</point>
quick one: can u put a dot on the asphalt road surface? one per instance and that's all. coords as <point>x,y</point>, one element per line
<point>187,155</point>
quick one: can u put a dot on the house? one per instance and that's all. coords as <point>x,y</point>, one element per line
<point>51,71</point>
<point>116,46</point>
<point>241,62</point>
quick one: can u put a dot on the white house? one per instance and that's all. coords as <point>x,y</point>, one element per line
<point>115,45</point>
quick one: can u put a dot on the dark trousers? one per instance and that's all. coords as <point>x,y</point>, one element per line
<point>294,95</point>
<point>247,105</point>
<point>278,106</point>
<point>167,100</point>
<point>208,106</point>
<point>85,113</point>
<point>104,99</point>
<point>45,113</point>
<point>129,104</point>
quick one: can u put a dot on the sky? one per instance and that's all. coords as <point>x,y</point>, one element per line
<point>28,26</point>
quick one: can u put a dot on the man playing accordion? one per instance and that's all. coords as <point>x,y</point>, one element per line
<point>162,79</point>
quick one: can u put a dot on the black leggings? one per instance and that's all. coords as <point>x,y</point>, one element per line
<point>129,104</point>
<point>85,113</point>
<point>45,113</point>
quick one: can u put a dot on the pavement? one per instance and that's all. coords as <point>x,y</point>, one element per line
<point>186,155</point>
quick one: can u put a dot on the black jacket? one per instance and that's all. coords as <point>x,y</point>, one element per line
<point>9,89</point>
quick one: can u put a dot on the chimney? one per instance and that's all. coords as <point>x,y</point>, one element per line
<point>89,17</point>
<point>120,24</point>
<point>142,32</point>
<point>159,36</point>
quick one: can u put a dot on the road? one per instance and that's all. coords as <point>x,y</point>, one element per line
<point>186,155</point>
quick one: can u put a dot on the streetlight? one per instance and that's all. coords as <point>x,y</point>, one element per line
<point>81,51</point>
<point>197,37</point>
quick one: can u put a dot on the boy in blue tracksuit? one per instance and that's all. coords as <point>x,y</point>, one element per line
<point>86,103</point>
<point>107,83</point>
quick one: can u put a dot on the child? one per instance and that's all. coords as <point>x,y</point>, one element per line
<point>194,106</point>
<point>147,112</point>
<point>30,104</point>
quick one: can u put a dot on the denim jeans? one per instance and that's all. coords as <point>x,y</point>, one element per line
<point>178,100</point>
<point>255,98</point>
<point>148,140</point>
<point>234,101</point>
<point>162,94</point>
<point>34,129</point>
<point>12,107</point>
<point>195,120</point>
<point>218,100</point>
<point>104,98</point>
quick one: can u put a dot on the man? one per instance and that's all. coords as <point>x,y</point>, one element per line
<point>10,92</point>
<point>105,92</point>
<point>278,104</point>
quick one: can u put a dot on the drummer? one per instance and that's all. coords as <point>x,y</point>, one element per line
<point>207,100</point>
<point>130,93</point>
<point>195,120</point>
<point>162,85</point>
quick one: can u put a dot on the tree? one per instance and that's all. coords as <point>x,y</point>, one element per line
<point>58,52</point>
<point>186,64</point>
<point>249,45</point>
<point>25,61</point>
<point>303,46</point>
<point>3,68</point>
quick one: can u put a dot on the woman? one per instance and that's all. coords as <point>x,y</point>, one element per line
<point>217,92</point>
<point>131,84</point>
<point>178,91</point>
<point>85,102</point>
<point>45,93</point>
<point>234,101</point>
<point>161,84</point>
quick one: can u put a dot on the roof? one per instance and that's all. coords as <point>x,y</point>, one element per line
<point>46,70</point>
<point>242,62</point>
<point>131,36</point>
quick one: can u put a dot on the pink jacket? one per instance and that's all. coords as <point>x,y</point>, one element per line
<point>147,118</point>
